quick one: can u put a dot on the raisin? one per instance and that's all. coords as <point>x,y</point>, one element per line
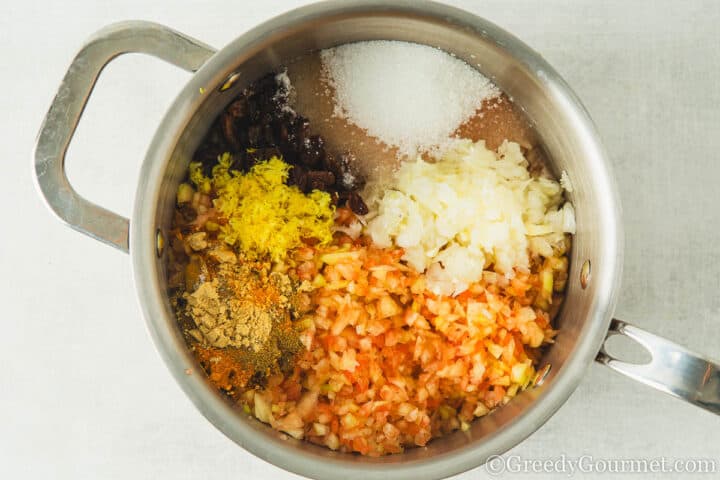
<point>357,204</point>
<point>330,163</point>
<point>322,177</point>
<point>298,176</point>
<point>283,133</point>
<point>238,108</point>
<point>312,152</point>
<point>302,131</point>
<point>254,134</point>
<point>187,211</point>
<point>252,109</point>
<point>229,132</point>
<point>348,178</point>
<point>268,134</point>
<point>315,184</point>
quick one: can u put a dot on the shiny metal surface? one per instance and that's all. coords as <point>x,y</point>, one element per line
<point>61,120</point>
<point>565,129</point>
<point>673,369</point>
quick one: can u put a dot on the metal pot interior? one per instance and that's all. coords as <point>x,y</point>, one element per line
<point>566,134</point>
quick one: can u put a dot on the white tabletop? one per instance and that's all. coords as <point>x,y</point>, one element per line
<point>84,393</point>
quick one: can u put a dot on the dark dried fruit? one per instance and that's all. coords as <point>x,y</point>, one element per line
<point>323,177</point>
<point>339,198</point>
<point>289,156</point>
<point>254,133</point>
<point>266,84</point>
<point>207,158</point>
<point>205,155</point>
<point>187,211</point>
<point>312,152</point>
<point>257,126</point>
<point>239,163</point>
<point>330,163</point>
<point>298,176</point>
<point>268,135</point>
<point>283,133</point>
<point>357,204</point>
<point>238,108</point>
<point>253,109</point>
<point>301,131</point>
<point>228,125</point>
<point>315,184</point>
<point>267,118</point>
<point>348,177</point>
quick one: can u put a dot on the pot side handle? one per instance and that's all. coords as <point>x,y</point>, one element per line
<point>67,107</point>
<point>673,369</point>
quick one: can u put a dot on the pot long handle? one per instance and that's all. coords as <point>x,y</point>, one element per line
<point>673,369</point>
<point>67,107</point>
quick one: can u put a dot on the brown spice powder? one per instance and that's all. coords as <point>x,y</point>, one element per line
<point>239,307</point>
<point>243,320</point>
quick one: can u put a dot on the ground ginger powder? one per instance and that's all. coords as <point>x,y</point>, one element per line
<point>240,306</point>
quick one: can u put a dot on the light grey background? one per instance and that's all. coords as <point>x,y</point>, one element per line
<point>84,394</point>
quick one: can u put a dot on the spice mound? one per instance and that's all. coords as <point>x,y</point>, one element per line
<point>248,310</point>
<point>239,307</point>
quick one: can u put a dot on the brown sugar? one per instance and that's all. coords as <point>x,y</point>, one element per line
<point>498,120</point>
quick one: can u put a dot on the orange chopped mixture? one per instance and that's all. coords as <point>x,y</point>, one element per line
<point>389,365</point>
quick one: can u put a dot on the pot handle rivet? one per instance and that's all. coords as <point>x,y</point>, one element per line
<point>229,81</point>
<point>585,272</point>
<point>159,243</point>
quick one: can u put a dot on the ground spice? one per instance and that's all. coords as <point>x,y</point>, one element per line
<point>228,322</point>
<point>223,368</point>
<point>247,310</point>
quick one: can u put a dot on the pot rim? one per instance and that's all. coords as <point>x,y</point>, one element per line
<point>179,360</point>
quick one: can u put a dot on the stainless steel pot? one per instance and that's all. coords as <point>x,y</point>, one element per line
<point>566,132</point>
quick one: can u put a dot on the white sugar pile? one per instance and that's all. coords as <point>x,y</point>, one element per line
<point>409,96</point>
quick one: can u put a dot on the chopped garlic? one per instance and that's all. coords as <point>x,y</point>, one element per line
<point>472,209</point>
